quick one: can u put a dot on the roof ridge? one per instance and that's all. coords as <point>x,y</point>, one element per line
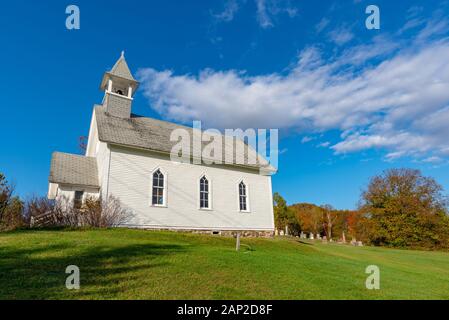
<point>137,116</point>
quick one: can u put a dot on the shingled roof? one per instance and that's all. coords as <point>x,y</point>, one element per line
<point>74,170</point>
<point>152,134</point>
<point>121,69</point>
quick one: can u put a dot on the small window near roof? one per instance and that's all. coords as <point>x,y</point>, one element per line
<point>78,200</point>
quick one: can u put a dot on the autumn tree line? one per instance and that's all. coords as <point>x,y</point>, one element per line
<point>399,208</point>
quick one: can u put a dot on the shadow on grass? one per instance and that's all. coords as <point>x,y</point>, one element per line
<point>303,242</point>
<point>39,272</point>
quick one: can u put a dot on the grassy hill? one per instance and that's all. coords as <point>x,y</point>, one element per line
<point>132,264</point>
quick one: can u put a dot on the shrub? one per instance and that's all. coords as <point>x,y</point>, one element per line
<point>94,212</point>
<point>104,214</point>
<point>12,215</point>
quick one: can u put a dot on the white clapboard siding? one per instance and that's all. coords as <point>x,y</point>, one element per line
<point>130,177</point>
<point>100,151</point>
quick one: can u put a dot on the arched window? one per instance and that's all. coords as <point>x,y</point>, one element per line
<point>158,189</point>
<point>243,197</point>
<point>204,193</point>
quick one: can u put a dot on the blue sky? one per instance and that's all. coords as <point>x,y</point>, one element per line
<point>349,102</point>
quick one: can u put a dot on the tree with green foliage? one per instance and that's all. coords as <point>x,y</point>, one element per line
<point>5,195</point>
<point>11,207</point>
<point>402,208</point>
<point>284,216</point>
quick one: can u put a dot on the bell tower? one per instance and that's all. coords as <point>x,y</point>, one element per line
<point>119,86</point>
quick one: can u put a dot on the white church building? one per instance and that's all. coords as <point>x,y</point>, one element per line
<point>128,157</point>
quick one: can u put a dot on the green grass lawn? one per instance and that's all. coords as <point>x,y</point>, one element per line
<point>132,264</point>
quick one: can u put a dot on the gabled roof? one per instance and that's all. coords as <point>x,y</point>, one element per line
<point>121,69</point>
<point>154,135</point>
<point>74,170</point>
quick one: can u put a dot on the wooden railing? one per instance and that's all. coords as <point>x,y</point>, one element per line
<point>43,220</point>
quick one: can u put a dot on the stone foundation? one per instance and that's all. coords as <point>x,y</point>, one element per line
<point>247,234</point>
<point>229,234</point>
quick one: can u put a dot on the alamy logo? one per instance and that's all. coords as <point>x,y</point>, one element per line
<point>373,20</point>
<point>73,280</point>
<point>72,22</point>
<point>235,147</point>
<point>373,280</point>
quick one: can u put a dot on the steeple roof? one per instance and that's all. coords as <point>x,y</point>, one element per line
<point>121,69</point>
<point>120,72</point>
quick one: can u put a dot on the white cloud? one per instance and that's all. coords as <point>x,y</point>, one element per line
<point>414,11</point>
<point>262,14</point>
<point>324,144</point>
<point>400,104</point>
<point>411,24</point>
<point>320,26</point>
<point>433,159</point>
<point>381,46</point>
<point>307,139</point>
<point>341,35</point>
<point>230,9</point>
<point>268,9</point>
<point>433,28</point>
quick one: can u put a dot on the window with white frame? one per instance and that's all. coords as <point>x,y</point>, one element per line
<point>158,195</point>
<point>243,196</point>
<point>204,193</point>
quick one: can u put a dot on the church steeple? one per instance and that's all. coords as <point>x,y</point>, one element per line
<point>119,86</point>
